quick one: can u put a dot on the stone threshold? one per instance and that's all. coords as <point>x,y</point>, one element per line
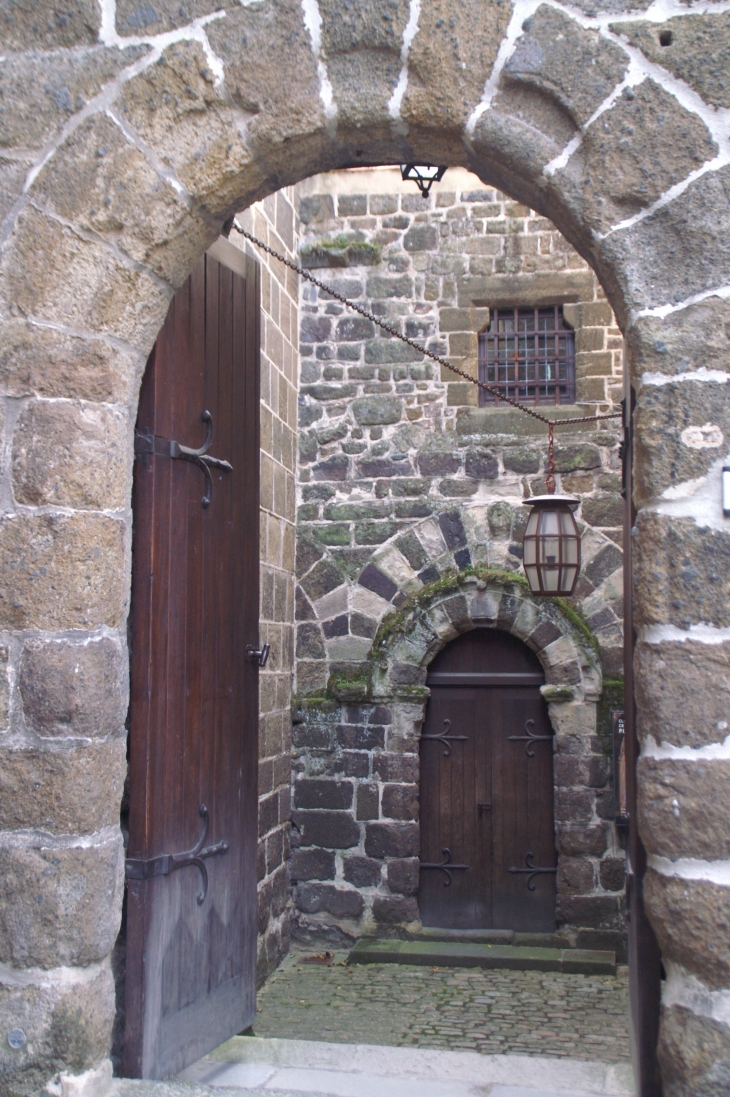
<point>290,1068</point>
<point>471,953</point>
<point>488,936</point>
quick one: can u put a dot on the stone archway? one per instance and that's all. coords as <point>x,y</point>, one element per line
<point>129,143</point>
<point>573,686</point>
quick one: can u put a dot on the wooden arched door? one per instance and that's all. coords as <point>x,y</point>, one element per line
<point>488,855</point>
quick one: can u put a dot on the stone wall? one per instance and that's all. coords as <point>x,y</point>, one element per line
<point>356,771</point>
<point>435,266</point>
<point>406,487</point>
<point>275,221</point>
<point>125,148</point>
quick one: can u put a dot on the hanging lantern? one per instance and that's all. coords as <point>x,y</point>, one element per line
<point>551,545</point>
<point>423,175</point>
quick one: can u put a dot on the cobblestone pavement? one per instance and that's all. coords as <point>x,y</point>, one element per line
<point>528,1012</point>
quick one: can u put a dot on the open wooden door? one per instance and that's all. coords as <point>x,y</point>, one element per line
<point>191,867</point>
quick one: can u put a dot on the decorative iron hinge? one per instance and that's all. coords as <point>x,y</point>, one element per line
<point>165,447</point>
<point>446,866</point>
<point>532,870</point>
<point>530,738</point>
<point>137,868</point>
<point>445,738</point>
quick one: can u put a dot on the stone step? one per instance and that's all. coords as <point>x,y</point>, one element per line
<point>254,1065</point>
<point>478,954</point>
<point>492,937</point>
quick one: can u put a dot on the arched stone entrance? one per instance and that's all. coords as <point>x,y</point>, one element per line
<point>129,143</point>
<point>573,684</point>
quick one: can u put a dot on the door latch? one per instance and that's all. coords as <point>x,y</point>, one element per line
<point>481,808</point>
<point>258,655</point>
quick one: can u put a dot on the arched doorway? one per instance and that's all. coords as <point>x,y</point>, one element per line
<point>487,789</point>
<point>204,133</point>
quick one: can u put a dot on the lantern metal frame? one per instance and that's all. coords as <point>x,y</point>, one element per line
<point>551,525</point>
<point>414,173</point>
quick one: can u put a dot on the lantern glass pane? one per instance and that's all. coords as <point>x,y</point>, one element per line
<point>549,550</point>
<point>533,578</point>
<point>570,550</point>
<point>550,524</point>
<point>568,578</point>
<point>550,578</point>
<point>532,522</point>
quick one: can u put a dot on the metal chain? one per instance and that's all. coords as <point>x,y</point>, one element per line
<point>550,472</point>
<point>550,423</point>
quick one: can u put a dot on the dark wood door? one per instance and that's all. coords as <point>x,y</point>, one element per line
<point>191,928</point>
<point>487,789</point>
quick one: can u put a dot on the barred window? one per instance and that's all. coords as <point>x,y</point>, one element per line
<point>529,355</point>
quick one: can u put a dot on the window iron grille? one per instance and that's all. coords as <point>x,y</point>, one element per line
<point>529,355</point>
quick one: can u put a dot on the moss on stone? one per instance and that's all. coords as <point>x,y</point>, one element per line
<point>450,582</point>
<point>340,251</point>
<point>579,622</point>
<point>352,683</point>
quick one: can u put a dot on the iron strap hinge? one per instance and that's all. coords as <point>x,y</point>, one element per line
<point>529,739</point>
<point>445,739</point>
<point>138,868</point>
<point>167,447</point>
<point>531,871</point>
<point>446,866</point>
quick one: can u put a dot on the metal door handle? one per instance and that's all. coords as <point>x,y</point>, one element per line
<point>481,808</point>
<point>258,655</point>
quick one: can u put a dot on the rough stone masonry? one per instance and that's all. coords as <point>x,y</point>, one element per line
<point>409,495</point>
<point>130,133</point>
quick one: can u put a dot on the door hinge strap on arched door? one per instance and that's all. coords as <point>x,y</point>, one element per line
<point>530,738</point>
<point>137,868</point>
<point>445,738</point>
<point>446,866</point>
<point>532,871</point>
<point>166,447</point>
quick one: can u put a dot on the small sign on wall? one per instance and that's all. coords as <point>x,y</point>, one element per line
<point>618,727</point>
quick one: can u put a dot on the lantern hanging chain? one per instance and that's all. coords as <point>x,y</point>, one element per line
<point>550,474</point>
<point>492,389</point>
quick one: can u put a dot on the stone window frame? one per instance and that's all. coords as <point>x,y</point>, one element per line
<point>462,326</point>
<point>485,398</point>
